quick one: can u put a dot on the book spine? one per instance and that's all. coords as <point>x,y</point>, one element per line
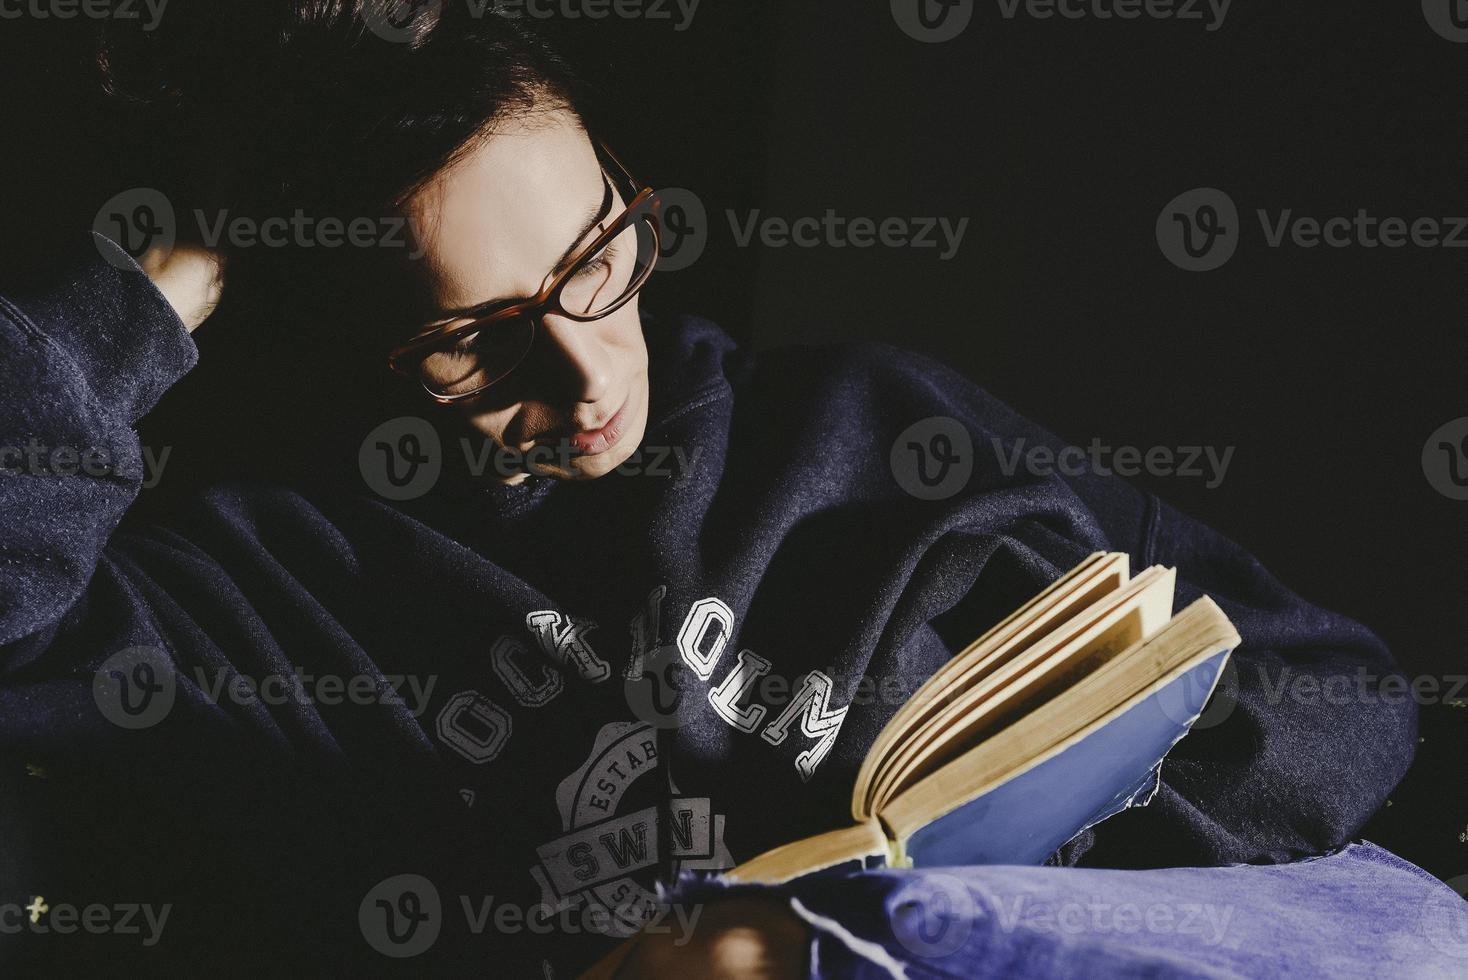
<point>897,853</point>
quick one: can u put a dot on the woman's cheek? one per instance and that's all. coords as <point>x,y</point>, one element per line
<point>490,425</point>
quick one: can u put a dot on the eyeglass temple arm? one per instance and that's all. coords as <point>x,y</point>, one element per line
<point>616,161</point>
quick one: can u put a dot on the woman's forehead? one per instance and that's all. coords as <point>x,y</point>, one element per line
<point>500,218</point>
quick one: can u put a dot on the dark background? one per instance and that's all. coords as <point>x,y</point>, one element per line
<point>1060,141</point>
<point>1327,368</point>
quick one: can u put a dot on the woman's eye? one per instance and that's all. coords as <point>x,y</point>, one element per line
<point>465,345</point>
<point>598,265</point>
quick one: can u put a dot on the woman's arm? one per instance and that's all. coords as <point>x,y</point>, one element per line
<point>1308,732</point>
<point>1311,727</point>
<point>82,358</point>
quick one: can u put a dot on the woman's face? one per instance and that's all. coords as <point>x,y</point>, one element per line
<point>493,226</point>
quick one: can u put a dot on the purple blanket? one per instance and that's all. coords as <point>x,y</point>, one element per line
<point>1358,912</point>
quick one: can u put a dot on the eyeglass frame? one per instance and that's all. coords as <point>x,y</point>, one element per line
<point>645,204</point>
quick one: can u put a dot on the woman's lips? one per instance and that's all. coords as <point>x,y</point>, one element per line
<point>592,442</point>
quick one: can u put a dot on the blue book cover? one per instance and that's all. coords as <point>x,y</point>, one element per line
<point>1113,767</point>
<point>1062,720</point>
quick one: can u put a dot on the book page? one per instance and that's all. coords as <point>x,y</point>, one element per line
<point>1199,632</point>
<point>1101,574</point>
<point>814,854</point>
<point>1039,673</point>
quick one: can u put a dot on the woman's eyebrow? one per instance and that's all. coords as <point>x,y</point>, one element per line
<point>594,216</point>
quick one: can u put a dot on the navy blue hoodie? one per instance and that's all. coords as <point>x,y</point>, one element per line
<point>179,721</point>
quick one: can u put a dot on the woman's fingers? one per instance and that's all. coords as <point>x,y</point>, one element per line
<point>744,938</point>
<point>190,277</point>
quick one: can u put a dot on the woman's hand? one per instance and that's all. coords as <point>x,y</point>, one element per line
<point>190,277</point>
<point>744,938</point>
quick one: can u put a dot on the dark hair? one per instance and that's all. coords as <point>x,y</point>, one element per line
<point>293,85</point>
<point>335,108</point>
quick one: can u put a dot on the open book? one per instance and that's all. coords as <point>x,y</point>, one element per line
<point>1052,721</point>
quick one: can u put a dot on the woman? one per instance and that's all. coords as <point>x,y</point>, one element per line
<point>383,699</point>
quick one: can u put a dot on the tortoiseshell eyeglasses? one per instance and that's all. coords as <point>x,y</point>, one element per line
<point>458,358</point>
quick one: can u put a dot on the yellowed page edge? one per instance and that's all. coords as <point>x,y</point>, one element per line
<point>1001,640</point>
<point>813,854</point>
<point>1149,597</point>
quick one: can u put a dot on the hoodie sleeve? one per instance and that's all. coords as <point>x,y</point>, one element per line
<point>82,358</point>
<point>1311,726</point>
<point>1309,730</point>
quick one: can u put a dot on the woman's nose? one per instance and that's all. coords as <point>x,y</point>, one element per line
<point>580,362</point>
